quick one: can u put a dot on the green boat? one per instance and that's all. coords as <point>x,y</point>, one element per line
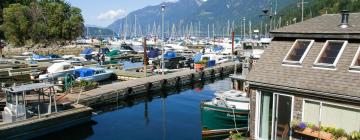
<point>227,111</point>
<point>114,54</point>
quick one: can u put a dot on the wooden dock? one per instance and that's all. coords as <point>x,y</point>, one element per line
<point>116,91</point>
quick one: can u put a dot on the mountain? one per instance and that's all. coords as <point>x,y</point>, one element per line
<point>183,13</point>
<point>97,31</point>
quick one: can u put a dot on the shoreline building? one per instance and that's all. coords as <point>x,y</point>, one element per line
<point>309,73</point>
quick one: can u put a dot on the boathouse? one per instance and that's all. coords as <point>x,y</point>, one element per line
<point>310,73</point>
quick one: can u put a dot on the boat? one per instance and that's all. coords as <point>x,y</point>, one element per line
<point>93,74</point>
<point>228,110</point>
<point>217,58</point>
<point>39,58</point>
<point>25,116</point>
<point>114,54</point>
<point>58,70</point>
<point>87,53</point>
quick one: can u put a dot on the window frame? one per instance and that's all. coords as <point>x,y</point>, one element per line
<point>287,62</point>
<point>333,65</point>
<point>357,55</point>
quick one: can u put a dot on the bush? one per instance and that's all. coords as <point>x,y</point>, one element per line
<point>339,133</point>
<point>354,135</point>
<point>236,136</point>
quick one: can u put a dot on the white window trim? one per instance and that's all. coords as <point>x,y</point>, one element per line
<point>287,62</point>
<point>330,66</point>
<point>257,113</point>
<point>352,66</point>
<point>274,110</point>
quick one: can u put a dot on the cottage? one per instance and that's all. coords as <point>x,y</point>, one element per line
<point>309,73</point>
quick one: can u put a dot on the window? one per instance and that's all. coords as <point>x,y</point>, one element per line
<point>298,52</point>
<point>355,65</point>
<point>328,114</point>
<point>330,53</point>
<point>311,112</point>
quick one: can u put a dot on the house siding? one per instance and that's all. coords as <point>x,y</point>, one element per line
<point>297,111</point>
<point>252,113</point>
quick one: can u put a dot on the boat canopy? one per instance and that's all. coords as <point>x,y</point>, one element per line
<point>35,56</point>
<point>54,56</point>
<point>153,53</point>
<point>87,51</point>
<point>84,72</point>
<point>217,48</point>
<point>113,53</point>
<point>169,55</point>
<point>197,57</point>
<point>58,67</point>
<point>104,50</point>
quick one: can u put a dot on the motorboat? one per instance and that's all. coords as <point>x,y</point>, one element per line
<point>58,70</point>
<point>218,58</point>
<point>93,74</point>
<point>228,110</point>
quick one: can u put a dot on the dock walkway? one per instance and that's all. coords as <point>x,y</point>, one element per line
<point>121,89</point>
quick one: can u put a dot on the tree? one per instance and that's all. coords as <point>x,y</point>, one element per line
<point>33,22</point>
<point>17,24</point>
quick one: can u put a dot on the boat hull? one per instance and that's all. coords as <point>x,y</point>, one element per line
<point>215,117</point>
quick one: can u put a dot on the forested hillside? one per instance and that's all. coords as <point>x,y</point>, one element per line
<point>313,8</point>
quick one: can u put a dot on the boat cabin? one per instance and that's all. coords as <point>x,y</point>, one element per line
<point>18,109</point>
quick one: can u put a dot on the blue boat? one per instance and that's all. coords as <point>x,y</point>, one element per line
<point>93,74</point>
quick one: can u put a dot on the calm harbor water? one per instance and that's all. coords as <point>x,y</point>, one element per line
<point>177,116</point>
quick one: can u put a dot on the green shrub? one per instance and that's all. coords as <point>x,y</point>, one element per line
<point>354,135</point>
<point>339,133</point>
<point>236,136</point>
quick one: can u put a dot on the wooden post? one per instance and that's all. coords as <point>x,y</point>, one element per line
<point>1,49</point>
<point>232,49</point>
<point>145,58</point>
<point>232,42</point>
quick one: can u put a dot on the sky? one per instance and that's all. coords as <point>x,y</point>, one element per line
<point>104,12</point>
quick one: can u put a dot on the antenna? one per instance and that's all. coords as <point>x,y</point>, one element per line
<point>302,9</point>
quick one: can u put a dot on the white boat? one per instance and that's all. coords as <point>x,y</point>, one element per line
<point>58,70</point>
<point>218,58</point>
<point>73,60</point>
<point>93,74</point>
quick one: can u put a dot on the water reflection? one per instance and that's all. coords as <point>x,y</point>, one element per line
<point>163,114</point>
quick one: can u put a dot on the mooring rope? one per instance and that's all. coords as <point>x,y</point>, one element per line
<point>233,109</point>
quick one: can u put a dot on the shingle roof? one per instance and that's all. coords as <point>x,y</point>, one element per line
<point>325,24</point>
<point>269,70</point>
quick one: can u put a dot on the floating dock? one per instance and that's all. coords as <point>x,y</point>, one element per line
<point>113,92</point>
<point>34,127</point>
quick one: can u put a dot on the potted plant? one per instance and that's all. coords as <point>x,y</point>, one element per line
<point>311,130</point>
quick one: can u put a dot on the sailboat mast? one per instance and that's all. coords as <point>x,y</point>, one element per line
<point>208,30</point>
<point>125,29</point>
<point>135,26</point>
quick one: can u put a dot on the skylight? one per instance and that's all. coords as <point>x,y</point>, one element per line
<point>298,52</point>
<point>330,53</point>
<point>355,65</point>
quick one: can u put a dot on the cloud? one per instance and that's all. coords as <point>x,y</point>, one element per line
<point>111,14</point>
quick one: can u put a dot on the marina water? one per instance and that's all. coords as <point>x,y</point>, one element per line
<point>177,116</point>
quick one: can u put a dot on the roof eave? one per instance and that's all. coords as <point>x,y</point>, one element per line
<point>306,92</point>
<point>346,36</point>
